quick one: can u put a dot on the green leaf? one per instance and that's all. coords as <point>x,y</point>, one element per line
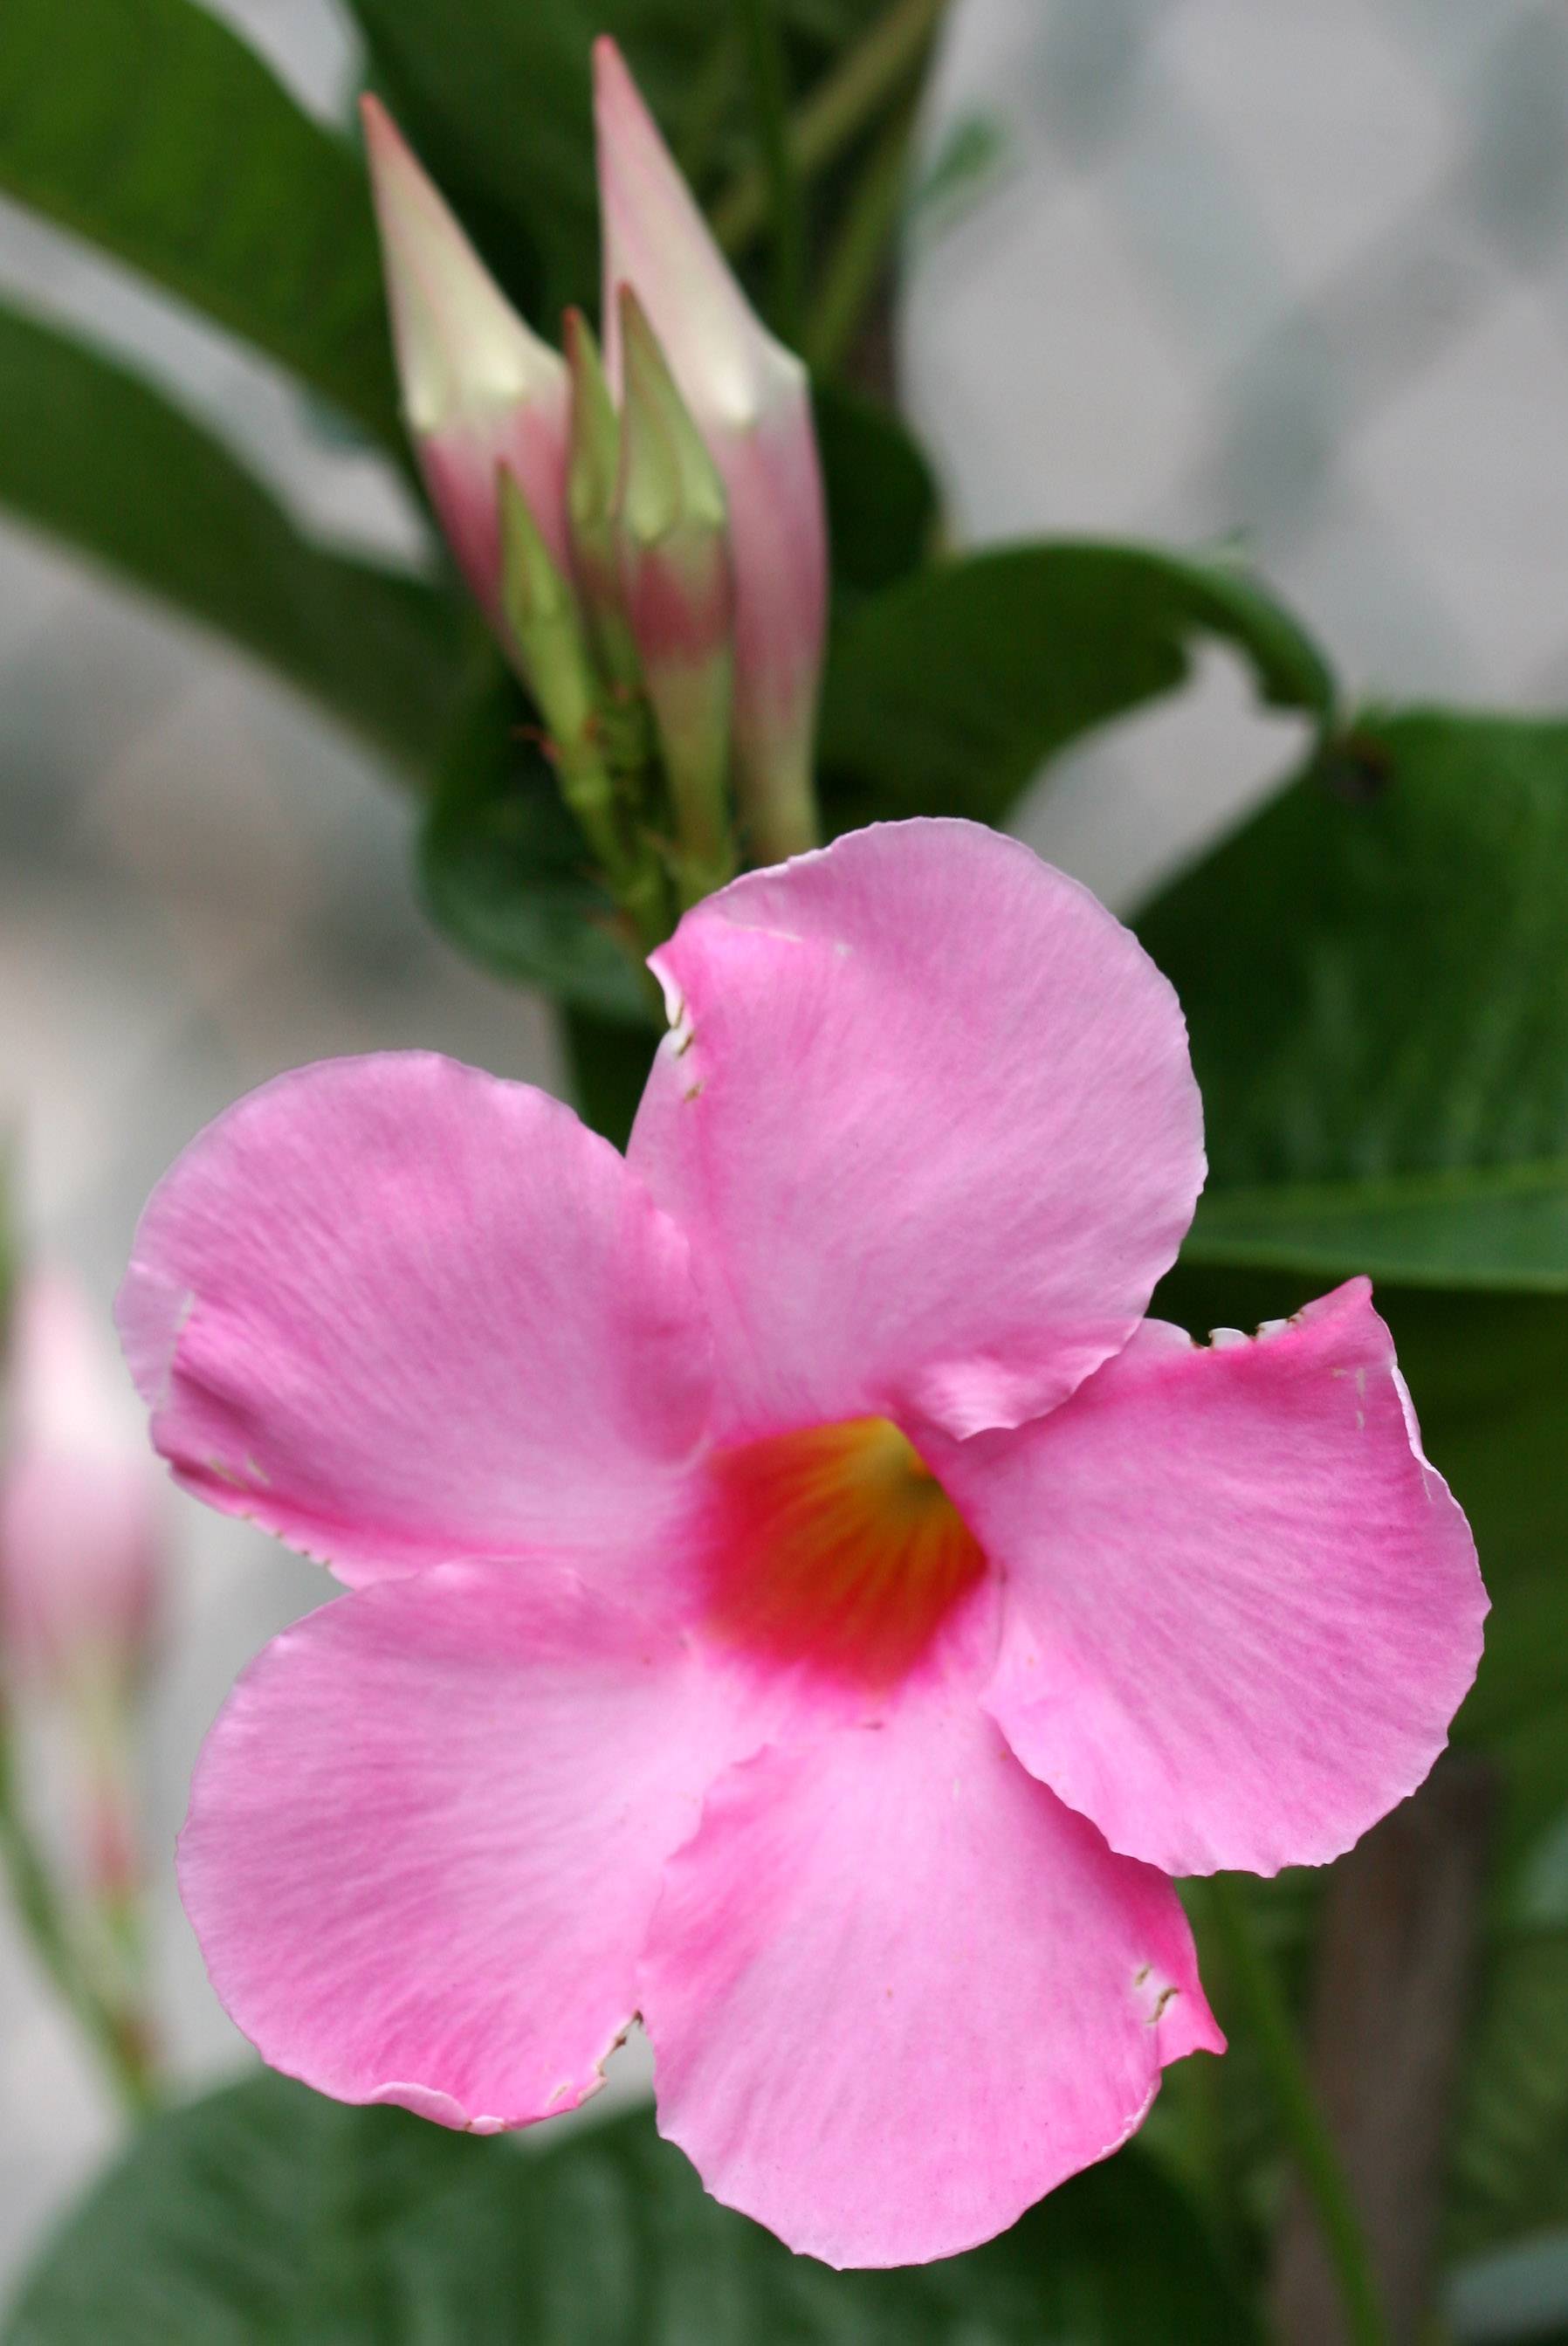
<point>944,694</point>
<point>506,874</point>
<point>1375,974</point>
<point>95,456</point>
<point>151,129</point>
<point>264,2215</point>
<point>882,498</point>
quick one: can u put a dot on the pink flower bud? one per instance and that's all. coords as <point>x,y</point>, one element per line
<point>750,399</point>
<point>81,1547</point>
<point>479,389</point>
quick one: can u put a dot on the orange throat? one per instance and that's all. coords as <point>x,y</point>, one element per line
<point>837,1547</point>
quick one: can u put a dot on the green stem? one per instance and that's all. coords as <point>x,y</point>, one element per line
<point>855,263</point>
<point>786,204</point>
<point>843,102</point>
<point>120,2048</point>
<point>1312,2144</point>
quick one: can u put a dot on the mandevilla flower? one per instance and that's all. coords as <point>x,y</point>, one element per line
<point>795,1595</point>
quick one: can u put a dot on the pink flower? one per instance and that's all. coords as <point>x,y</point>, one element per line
<point>479,389</point>
<point>80,1513</point>
<point>795,1595</point>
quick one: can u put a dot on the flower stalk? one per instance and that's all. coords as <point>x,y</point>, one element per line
<point>110,2022</point>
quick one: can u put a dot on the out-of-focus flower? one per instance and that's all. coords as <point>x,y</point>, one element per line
<point>479,390</point>
<point>81,1542</point>
<point>795,1592</point>
<point>752,402</point>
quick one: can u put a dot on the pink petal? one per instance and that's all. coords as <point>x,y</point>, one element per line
<point>426,1834</point>
<point>928,1121</point>
<point>399,1311</point>
<point>1241,1609</point>
<point>897,1992</point>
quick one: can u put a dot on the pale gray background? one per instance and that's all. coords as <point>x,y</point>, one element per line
<point>1300,272</point>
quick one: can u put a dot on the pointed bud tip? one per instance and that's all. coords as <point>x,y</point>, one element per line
<point>462,349</point>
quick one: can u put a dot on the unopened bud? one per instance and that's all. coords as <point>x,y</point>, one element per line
<point>479,389</point>
<point>593,482</point>
<point>674,549</point>
<point>750,400</point>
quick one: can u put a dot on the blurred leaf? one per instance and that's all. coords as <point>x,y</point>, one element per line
<point>1375,973</point>
<point>506,874</point>
<point>152,129</point>
<point>945,693</point>
<point>1489,1375</point>
<point>264,2214</point>
<point>1510,2144</point>
<point>97,457</point>
<point>882,498</point>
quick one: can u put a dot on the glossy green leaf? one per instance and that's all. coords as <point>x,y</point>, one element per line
<point>946,693</point>
<point>95,456</point>
<point>1375,974</point>
<point>152,129</point>
<point>264,2216</point>
<point>506,874</point>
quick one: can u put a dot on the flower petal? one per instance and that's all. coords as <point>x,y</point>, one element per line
<point>928,1121</point>
<point>1240,1608</point>
<point>897,1992</point>
<point>400,1312</point>
<point>427,1830</point>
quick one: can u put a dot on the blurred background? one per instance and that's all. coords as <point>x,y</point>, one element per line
<point>1189,268</point>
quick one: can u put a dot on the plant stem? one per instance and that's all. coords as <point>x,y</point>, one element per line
<point>786,204</point>
<point>855,263</point>
<point>843,102</point>
<point>120,2048</point>
<point>1313,2148</point>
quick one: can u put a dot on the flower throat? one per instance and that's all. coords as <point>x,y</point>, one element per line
<point>837,1546</point>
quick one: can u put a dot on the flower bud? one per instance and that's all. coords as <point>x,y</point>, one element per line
<point>750,400</point>
<point>479,389</point>
<point>675,579</point>
<point>593,487</point>
<point>81,1545</point>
